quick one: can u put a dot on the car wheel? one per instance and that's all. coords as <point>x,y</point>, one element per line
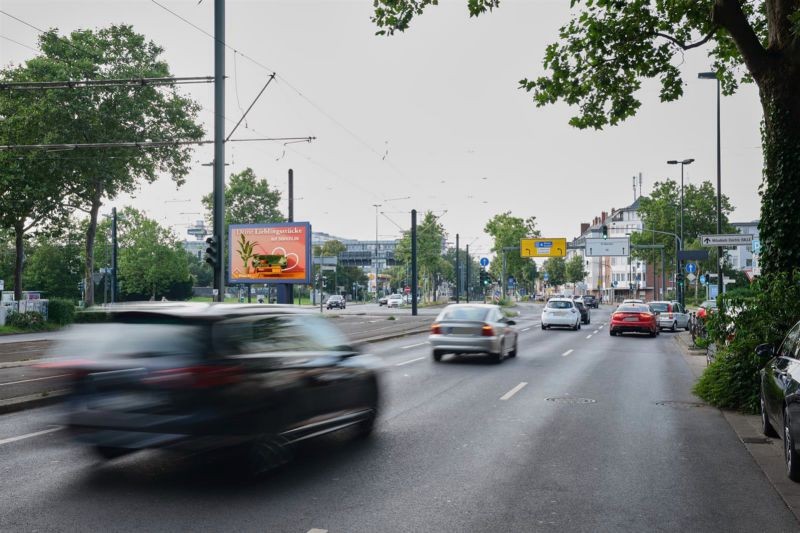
<point>792,459</point>
<point>674,327</point>
<point>652,334</point>
<point>437,356</point>
<point>265,453</point>
<point>513,353</point>
<point>544,327</point>
<point>612,332</point>
<point>766,427</point>
<point>498,357</point>
<point>365,427</point>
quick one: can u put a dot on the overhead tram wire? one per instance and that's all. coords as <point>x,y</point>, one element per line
<point>118,82</point>
<point>136,144</point>
<point>19,43</point>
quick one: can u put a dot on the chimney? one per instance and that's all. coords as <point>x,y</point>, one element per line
<point>584,227</point>
<point>603,216</point>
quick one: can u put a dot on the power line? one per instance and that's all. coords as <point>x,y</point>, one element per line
<point>135,144</point>
<point>120,82</point>
<point>19,43</point>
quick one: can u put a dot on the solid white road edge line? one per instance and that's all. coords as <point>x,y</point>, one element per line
<point>413,345</point>
<point>410,361</point>
<point>566,353</point>
<point>29,435</point>
<point>513,391</point>
<point>32,379</point>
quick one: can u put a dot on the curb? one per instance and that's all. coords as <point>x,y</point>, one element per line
<point>396,335</point>
<point>30,401</point>
<point>766,453</point>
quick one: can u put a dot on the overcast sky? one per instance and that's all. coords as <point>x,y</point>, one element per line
<point>434,114</point>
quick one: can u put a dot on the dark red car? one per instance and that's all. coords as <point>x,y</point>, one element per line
<point>636,318</point>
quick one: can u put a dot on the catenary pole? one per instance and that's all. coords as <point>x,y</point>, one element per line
<point>219,146</point>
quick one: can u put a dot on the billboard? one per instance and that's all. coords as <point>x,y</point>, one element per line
<point>269,253</point>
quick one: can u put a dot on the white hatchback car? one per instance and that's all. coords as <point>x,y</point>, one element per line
<point>561,312</point>
<point>394,300</point>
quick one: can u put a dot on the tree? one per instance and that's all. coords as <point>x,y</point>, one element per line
<point>111,114</point>
<point>248,200</point>
<point>31,188</point>
<point>55,263</point>
<point>200,271</point>
<point>574,270</point>
<point>507,232</point>
<point>430,264</point>
<point>610,47</point>
<point>152,261</point>
<point>556,269</point>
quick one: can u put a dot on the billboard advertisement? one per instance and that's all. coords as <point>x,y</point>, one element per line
<point>269,253</point>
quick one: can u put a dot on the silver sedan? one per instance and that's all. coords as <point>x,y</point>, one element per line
<point>473,328</point>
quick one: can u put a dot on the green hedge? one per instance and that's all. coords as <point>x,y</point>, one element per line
<point>61,312</point>
<point>744,320</point>
<point>31,320</point>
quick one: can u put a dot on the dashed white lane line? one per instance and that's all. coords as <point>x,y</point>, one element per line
<point>413,345</point>
<point>513,391</point>
<point>596,331</point>
<point>317,530</point>
<point>567,353</point>
<point>589,336</point>
<point>29,435</point>
<point>410,361</point>
<point>32,379</point>
<point>526,329</point>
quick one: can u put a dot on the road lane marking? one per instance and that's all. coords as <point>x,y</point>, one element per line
<point>317,530</point>
<point>29,435</point>
<point>32,379</point>
<point>410,361</point>
<point>596,331</point>
<point>589,336</point>
<point>413,345</point>
<point>566,353</point>
<point>513,391</point>
<point>526,329</point>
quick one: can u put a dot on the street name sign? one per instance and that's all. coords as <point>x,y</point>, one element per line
<point>730,239</point>
<point>554,247</point>
<point>617,246</point>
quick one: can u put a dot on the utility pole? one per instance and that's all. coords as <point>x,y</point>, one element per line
<point>113,254</point>
<point>219,146</point>
<point>414,262</point>
<point>720,282</point>
<point>467,277</point>
<point>286,290</point>
<point>375,260</point>
<point>458,271</point>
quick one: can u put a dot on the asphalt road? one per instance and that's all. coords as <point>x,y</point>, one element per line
<point>463,445</point>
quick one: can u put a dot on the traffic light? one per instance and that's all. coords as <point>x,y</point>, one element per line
<point>212,252</point>
<point>605,231</point>
<point>679,277</point>
<point>484,278</point>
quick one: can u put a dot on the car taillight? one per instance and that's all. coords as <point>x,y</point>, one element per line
<point>701,313</point>
<point>645,316</point>
<point>194,377</point>
<point>487,331</point>
<point>436,329</point>
<point>617,316</point>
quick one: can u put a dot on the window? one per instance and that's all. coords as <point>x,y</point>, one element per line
<point>477,314</point>
<point>749,262</point>
<point>789,347</point>
<point>559,304</point>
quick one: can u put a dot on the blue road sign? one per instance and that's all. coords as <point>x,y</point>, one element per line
<point>544,244</point>
<point>713,291</point>
<point>511,282</point>
<point>756,244</point>
<point>703,279</point>
<point>691,268</point>
<point>546,276</point>
<point>484,261</point>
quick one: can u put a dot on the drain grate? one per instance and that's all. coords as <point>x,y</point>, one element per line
<point>570,400</point>
<point>682,405</point>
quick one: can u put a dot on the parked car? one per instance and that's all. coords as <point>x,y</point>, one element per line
<point>633,317</point>
<point>407,298</point>
<point>473,328</point>
<point>584,311</point>
<point>707,307</point>
<point>250,380</point>
<point>561,312</point>
<point>394,300</point>
<point>671,315</point>
<point>591,302</point>
<point>780,411</point>
<point>382,301</point>
<point>336,301</point>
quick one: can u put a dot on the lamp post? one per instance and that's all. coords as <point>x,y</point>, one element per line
<point>682,163</point>
<point>713,76</point>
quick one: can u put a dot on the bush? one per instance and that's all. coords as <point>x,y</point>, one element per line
<point>61,312</point>
<point>744,320</point>
<point>31,320</point>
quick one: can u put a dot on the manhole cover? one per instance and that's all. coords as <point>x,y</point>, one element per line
<point>682,405</point>
<point>570,400</point>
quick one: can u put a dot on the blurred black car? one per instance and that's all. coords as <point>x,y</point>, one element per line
<point>585,318</point>
<point>336,301</point>
<point>780,410</point>
<point>198,377</point>
<point>591,302</point>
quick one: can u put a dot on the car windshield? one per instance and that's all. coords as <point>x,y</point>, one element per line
<point>709,304</point>
<point>470,313</point>
<point>661,307</point>
<point>559,304</point>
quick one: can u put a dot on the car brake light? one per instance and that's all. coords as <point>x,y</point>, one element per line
<point>617,316</point>
<point>194,377</point>
<point>487,331</point>
<point>436,329</point>
<point>645,316</point>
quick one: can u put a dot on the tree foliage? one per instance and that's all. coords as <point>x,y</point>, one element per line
<point>556,268</point>
<point>574,269</point>
<point>610,47</point>
<point>248,200</point>
<point>507,231</point>
<point>430,263</point>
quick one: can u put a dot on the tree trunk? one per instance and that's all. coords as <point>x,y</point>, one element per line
<point>19,259</point>
<point>91,232</point>
<point>780,190</point>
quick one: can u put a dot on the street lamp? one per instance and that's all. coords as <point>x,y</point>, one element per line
<point>713,76</point>
<point>682,163</point>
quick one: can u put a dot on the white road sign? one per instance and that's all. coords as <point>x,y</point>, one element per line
<point>730,239</point>
<point>618,246</point>
<point>691,277</point>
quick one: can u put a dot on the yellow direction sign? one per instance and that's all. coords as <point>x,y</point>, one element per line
<point>556,247</point>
